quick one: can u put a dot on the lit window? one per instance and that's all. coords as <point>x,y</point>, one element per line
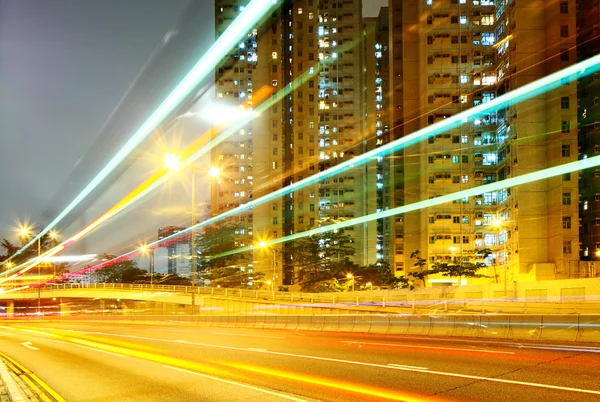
<point>274,55</point>
<point>299,10</point>
<point>463,19</point>
<point>464,78</point>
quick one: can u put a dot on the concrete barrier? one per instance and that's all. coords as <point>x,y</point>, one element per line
<point>419,325</point>
<point>317,323</point>
<point>525,327</point>
<point>398,325</point>
<point>589,328</point>
<point>380,324</point>
<point>346,323</point>
<point>467,326</point>
<point>362,323</point>
<point>304,323</point>
<point>560,328</point>
<point>491,326</point>
<point>442,325</point>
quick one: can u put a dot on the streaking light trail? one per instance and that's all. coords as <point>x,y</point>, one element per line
<point>246,20</point>
<point>512,182</point>
<point>535,88</point>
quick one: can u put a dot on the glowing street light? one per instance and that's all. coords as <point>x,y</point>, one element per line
<point>263,244</point>
<point>150,253</point>
<point>350,276</point>
<point>172,162</point>
<point>214,172</point>
<point>53,234</point>
<point>24,231</point>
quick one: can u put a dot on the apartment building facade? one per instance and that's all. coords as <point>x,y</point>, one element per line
<point>308,56</point>
<point>588,90</point>
<point>461,53</point>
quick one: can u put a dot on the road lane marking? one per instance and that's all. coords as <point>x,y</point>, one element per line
<point>399,345</point>
<point>96,350</point>
<point>258,349</point>
<point>246,336</point>
<point>376,365</point>
<point>406,366</point>
<point>28,345</point>
<point>239,384</point>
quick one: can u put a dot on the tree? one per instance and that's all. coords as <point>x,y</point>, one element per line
<point>322,257</point>
<point>120,272</point>
<point>10,249</point>
<point>215,240</point>
<point>420,264</point>
<point>234,277</point>
<point>462,267</point>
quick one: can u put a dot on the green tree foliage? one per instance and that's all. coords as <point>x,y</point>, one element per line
<point>224,271</point>
<point>322,257</point>
<point>458,269</point>
<point>461,266</point>
<point>120,272</point>
<point>46,243</point>
<point>233,277</point>
<point>10,249</point>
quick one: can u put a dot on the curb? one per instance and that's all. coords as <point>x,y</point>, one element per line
<point>15,393</point>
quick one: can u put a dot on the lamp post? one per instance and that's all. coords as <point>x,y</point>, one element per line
<point>350,276</point>
<point>263,244</point>
<point>150,253</point>
<point>498,224</point>
<point>173,163</point>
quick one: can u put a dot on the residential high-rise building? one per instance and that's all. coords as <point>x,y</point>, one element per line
<point>588,43</point>
<point>315,47</point>
<point>173,256</point>
<point>458,54</point>
<point>382,103</point>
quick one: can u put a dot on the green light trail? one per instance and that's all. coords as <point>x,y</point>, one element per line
<point>512,182</point>
<point>525,92</point>
<point>244,23</point>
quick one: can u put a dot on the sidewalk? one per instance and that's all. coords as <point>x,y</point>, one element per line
<point>11,388</point>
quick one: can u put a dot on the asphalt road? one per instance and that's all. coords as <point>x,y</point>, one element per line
<point>134,362</point>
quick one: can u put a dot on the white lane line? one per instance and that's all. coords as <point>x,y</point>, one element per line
<point>258,350</point>
<point>409,367</point>
<point>399,345</point>
<point>97,350</point>
<point>442,373</point>
<point>28,345</point>
<point>248,336</point>
<point>239,384</point>
<point>513,344</point>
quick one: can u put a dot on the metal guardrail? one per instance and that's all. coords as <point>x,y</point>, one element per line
<point>379,300</point>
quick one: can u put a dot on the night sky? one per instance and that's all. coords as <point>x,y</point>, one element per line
<point>64,66</point>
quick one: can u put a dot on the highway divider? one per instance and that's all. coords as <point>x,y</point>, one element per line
<point>533,327</point>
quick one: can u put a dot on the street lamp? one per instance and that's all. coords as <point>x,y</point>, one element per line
<point>150,252</point>
<point>498,224</point>
<point>264,245</point>
<point>350,276</point>
<point>173,163</point>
